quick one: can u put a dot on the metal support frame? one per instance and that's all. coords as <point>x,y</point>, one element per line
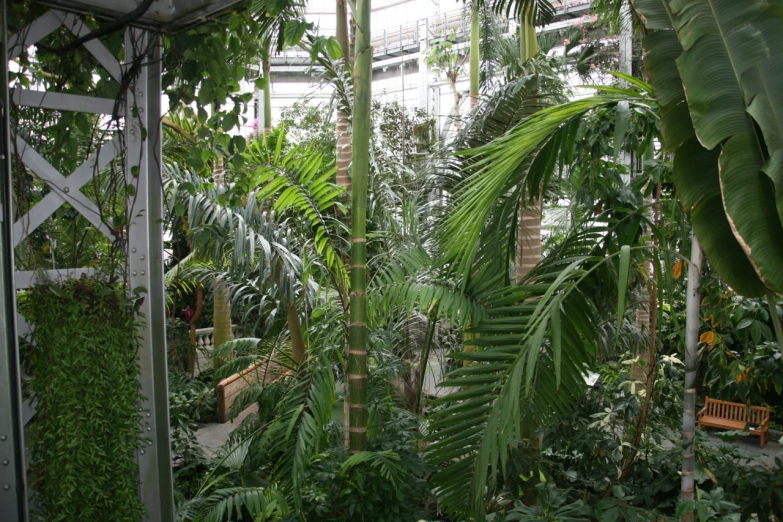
<point>13,497</point>
<point>140,142</point>
<point>145,259</point>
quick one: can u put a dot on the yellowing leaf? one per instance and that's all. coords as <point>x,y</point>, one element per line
<point>707,337</point>
<point>677,269</point>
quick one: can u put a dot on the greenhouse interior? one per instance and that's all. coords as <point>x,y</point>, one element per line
<point>391,260</point>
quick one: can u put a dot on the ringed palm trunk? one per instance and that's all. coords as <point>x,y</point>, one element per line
<point>357,343</point>
<point>474,53</point>
<point>343,158</point>
<point>692,324</point>
<point>529,219</point>
<point>343,152</point>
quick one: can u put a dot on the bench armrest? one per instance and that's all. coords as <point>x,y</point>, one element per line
<point>702,412</point>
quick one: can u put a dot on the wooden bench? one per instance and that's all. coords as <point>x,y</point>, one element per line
<point>229,388</point>
<point>735,416</point>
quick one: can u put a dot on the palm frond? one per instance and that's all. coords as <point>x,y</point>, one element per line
<point>386,462</point>
<point>520,162</point>
<point>234,503</point>
<point>534,348</point>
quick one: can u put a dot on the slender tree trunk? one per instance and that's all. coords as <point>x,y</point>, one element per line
<point>692,323</point>
<point>344,150</point>
<point>457,97</point>
<point>267,93</point>
<point>529,225</point>
<point>193,353</point>
<point>221,313</point>
<point>474,53</point>
<point>646,290</point>
<point>343,177</point>
<point>357,353</point>
<point>652,324</point>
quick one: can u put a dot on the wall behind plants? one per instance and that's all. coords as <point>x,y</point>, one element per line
<point>83,370</point>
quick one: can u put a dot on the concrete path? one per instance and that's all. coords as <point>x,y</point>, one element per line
<point>213,435</point>
<point>750,445</point>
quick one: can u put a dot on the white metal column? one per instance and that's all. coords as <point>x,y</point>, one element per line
<point>145,263</point>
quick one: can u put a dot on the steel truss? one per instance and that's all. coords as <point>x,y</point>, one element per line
<point>139,141</point>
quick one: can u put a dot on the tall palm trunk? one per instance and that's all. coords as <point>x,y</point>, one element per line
<point>267,92</point>
<point>529,219</point>
<point>343,157</point>
<point>221,312</point>
<point>692,324</point>
<point>357,352</point>
<point>474,53</point>
<point>343,153</point>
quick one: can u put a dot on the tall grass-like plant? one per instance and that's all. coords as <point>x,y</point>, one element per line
<point>83,372</point>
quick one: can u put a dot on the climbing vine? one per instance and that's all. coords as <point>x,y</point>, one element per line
<point>83,367</point>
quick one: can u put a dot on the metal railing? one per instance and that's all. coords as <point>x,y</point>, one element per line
<point>407,37</point>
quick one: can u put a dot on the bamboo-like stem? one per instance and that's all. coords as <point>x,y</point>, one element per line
<point>357,342</point>
<point>692,324</point>
<point>474,53</point>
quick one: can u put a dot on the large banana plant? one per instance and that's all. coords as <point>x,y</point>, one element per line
<point>716,69</point>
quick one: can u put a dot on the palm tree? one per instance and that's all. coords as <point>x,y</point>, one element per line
<point>529,226</point>
<point>221,311</point>
<point>357,353</point>
<point>281,23</point>
<point>343,129</point>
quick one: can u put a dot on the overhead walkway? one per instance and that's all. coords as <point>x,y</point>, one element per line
<point>410,38</point>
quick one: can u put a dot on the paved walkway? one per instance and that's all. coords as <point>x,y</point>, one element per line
<point>213,435</point>
<point>750,445</point>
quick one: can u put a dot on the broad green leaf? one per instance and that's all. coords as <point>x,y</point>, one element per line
<point>698,187</point>
<point>653,14</point>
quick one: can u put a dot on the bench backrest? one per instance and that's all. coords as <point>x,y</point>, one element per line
<point>726,410</point>
<point>758,414</point>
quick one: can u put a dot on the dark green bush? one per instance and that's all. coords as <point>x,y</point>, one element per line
<point>83,371</point>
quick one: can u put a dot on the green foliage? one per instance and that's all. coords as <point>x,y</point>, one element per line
<point>552,505</point>
<point>725,139</point>
<point>83,376</point>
